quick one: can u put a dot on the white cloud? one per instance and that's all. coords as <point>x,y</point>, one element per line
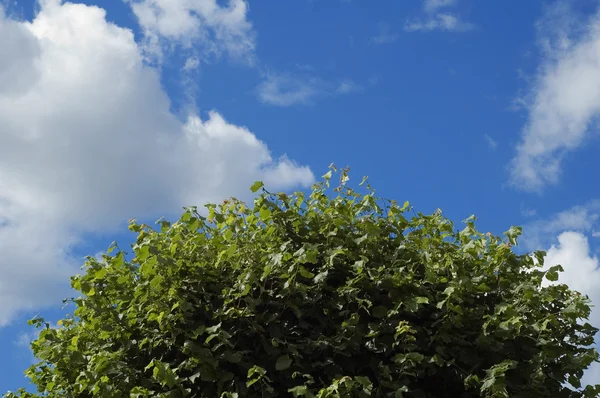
<point>540,233</point>
<point>385,35</point>
<point>581,273</point>
<point>437,19</point>
<point>565,234</point>
<point>528,212</point>
<point>581,270</point>
<point>192,63</point>
<point>17,49</point>
<point>25,339</point>
<point>204,22</point>
<point>288,89</point>
<point>440,21</point>
<point>434,5</point>
<point>563,103</point>
<point>384,38</point>
<point>87,141</point>
<point>347,87</point>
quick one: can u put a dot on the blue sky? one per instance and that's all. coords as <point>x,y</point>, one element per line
<point>120,109</point>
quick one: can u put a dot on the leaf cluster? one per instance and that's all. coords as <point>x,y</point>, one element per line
<point>316,295</point>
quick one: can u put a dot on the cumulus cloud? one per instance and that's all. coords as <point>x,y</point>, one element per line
<point>438,18</point>
<point>87,140</point>
<point>565,237</point>
<point>286,89</point>
<point>216,27</point>
<point>563,103</point>
<point>581,273</point>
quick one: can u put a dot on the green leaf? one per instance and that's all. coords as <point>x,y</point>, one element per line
<point>299,391</point>
<point>207,373</point>
<point>552,273</point>
<point>256,186</point>
<point>366,384</point>
<point>321,276</point>
<point>255,374</point>
<point>399,393</point>
<point>100,274</point>
<point>552,276</point>
<point>305,273</point>
<point>405,206</point>
<point>233,357</point>
<point>379,311</point>
<point>265,214</point>
<point>283,362</point>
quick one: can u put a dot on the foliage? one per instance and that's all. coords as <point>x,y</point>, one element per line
<point>317,295</point>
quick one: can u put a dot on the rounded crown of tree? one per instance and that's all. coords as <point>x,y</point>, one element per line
<point>325,294</point>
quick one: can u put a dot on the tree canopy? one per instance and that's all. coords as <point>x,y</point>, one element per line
<point>332,293</point>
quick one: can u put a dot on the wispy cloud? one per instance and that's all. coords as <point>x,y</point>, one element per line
<point>491,143</point>
<point>542,232</point>
<point>434,5</point>
<point>347,87</point>
<point>527,211</point>
<point>563,103</point>
<point>438,18</point>
<point>192,63</point>
<point>287,89</point>
<point>440,21</point>
<point>385,35</point>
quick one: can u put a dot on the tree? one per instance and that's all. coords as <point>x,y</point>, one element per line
<point>319,295</point>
